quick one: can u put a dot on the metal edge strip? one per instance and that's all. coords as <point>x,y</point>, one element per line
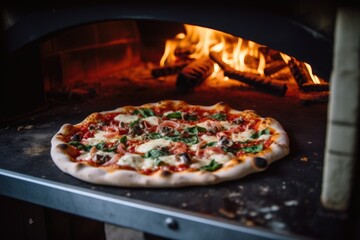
<point>136,214</point>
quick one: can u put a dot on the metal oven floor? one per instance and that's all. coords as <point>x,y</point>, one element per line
<point>281,202</point>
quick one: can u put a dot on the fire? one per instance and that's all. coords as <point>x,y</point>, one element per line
<point>241,54</point>
<point>235,58</point>
<point>314,78</point>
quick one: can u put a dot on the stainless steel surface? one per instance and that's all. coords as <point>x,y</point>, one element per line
<point>281,202</point>
<point>144,216</point>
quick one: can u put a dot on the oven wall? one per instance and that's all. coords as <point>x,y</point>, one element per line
<point>290,28</point>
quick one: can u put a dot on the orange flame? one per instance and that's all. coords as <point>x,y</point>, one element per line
<point>241,54</point>
<point>314,78</point>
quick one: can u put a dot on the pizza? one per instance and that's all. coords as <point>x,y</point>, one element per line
<point>168,143</point>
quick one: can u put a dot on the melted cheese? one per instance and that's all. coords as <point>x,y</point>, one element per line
<point>208,138</point>
<point>132,160</point>
<point>242,136</point>
<point>145,147</point>
<point>153,120</point>
<point>126,118</point>
<point>87,156</point>
<point>226,125</point>
<point>148,163</point>
<point>264,137</point>
<point>221,158</point>
<point>203,124</point>
<point>170,160</point>
<point>84,156</point>
<point>98,138</point>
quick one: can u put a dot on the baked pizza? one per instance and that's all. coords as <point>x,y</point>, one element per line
<point>168,144</point>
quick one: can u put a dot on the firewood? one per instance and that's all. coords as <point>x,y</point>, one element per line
<point>314,97</point>
<point>315,87</point>
<point>215,56</point>
<point>260,82</point>
<point>194,74</point>
<point>168,70</point>
<point>299,72</point>
<point>267,84</point>
<point>274,67</point>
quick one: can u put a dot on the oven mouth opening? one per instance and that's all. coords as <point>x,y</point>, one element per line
<point>103,58</point>
<point>83,75</point>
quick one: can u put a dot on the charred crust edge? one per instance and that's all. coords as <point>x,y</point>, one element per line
<point>165,173</point>
<point>63,146</point>
<point>260,162</point>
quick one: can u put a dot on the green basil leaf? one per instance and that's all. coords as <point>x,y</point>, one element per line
<point>210,144</point>
<point>262,132</point>
<point>190,140</point>
<point>123,140</point>
<point>112,149</point>
<point>219,116</point>
<point>195,130</point>
<point>153,135</point>
<point>144,112</point>
<point>155,153</point>
<point>265,131</point>
<point>100,145</point>
<point>212,166</point>
<point>176,115</point>
<point>253,149</point>
<point>132,124</point>
<point>190,117</point>
<point>80,146</point>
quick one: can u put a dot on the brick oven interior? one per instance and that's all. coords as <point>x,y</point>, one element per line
<point>102,61</point>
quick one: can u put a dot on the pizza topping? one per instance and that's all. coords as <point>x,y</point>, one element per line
<point>95,156</point>
<point>225,142</point>
<point>212,166</point>
<point>190,117</point>
<point>126,118</point>
<point>152,121</point>
<point>219,116</point>
<point>178,148</point>
<point>167,126</point>
<point>144,112</point>
<point>148,139</point>
<point>76,137</point>
<point>158,141</point>
<point>131,159</point>
<point>153,144</point>
<point>80,146</point>
<point>101,159</point>
<point>184,158</point>
<point>176,115</point>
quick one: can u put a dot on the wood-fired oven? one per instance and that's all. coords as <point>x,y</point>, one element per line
<point>288,61</point>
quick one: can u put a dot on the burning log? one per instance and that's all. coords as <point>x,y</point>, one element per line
<point>304,79</point>
<point>194,73</point>
<point>315,97</point>
<point>168,70</point>
<point>315,87</point>
<point>274,67</point>
<point>299,72</point>
<point>261,82</point>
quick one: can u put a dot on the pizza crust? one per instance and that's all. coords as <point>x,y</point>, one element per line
<point>63,156</point>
